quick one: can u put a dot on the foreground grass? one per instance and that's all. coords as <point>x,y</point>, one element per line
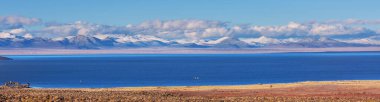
<point>340,91</point>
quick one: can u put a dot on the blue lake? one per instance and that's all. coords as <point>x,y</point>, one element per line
<point>187,70</point>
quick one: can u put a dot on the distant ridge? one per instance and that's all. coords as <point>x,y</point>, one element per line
<point>147,41</point>
<point>5,58</point>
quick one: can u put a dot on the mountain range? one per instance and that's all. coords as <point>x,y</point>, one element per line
<point>142,41</point>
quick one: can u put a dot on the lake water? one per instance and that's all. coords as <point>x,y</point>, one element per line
<point>187,70</point>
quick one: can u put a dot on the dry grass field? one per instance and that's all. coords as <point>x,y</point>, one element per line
<point>337,91</point>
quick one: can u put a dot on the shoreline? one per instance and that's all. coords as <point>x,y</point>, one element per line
<point>342,91</point>
<point>244,86</point>
<point>29,51</point>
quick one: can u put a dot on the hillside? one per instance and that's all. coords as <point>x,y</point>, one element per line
<point>5,58</point>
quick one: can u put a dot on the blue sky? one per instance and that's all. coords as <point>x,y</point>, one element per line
<point>258,12</point>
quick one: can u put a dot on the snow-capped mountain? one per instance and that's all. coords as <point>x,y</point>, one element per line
<point>136,38</point>
<point>21,42</point>
<point>261,41</point>
<point>312,42</point>
<point>228,42</point>
<point>140,41</point>
<point>375,40</point>
<point>135,41</point>
<point>84,42</point>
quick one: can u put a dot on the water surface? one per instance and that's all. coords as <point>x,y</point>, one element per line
<point>187,70</point>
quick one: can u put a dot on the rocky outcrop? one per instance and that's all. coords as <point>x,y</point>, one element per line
<point>12,84</point>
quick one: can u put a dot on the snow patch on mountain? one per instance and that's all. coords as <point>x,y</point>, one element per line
<point>375,40</point>
<point>261,40</point>
<point>212,42</point>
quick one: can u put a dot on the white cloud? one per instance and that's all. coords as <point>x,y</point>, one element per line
<point>203,32</point>
<point>180,24</point>
<point>190,30</point>
<point>192,35</point>
<point>28,36</point>
<point>19,20</point>
<point>17,31</point>
<point>6,35</point>
<point>202,29</point>
<point>308,29</point>
<point>292,29</point>
<point>336,29</point>
<point>179,29</point>
<point>12,33</point>
<point>12,22</point>
<point>79,28</point>
<point>214,32</point>
<point>353,22</point>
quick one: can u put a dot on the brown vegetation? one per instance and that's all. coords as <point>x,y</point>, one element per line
<point>12,84</point>
<point>323,91</point>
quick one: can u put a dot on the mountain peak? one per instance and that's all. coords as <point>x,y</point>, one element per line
<point>261,40</point>
<point>229,42</point>
<point>127,41</point>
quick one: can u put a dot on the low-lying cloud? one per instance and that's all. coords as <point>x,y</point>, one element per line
<point>190,29</point>
<point>13,22</point>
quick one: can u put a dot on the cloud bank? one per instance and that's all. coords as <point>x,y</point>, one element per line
<point>13,22</point>
<point>192,30</point>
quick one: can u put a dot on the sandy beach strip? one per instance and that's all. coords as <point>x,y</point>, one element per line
<point>343,83</point>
